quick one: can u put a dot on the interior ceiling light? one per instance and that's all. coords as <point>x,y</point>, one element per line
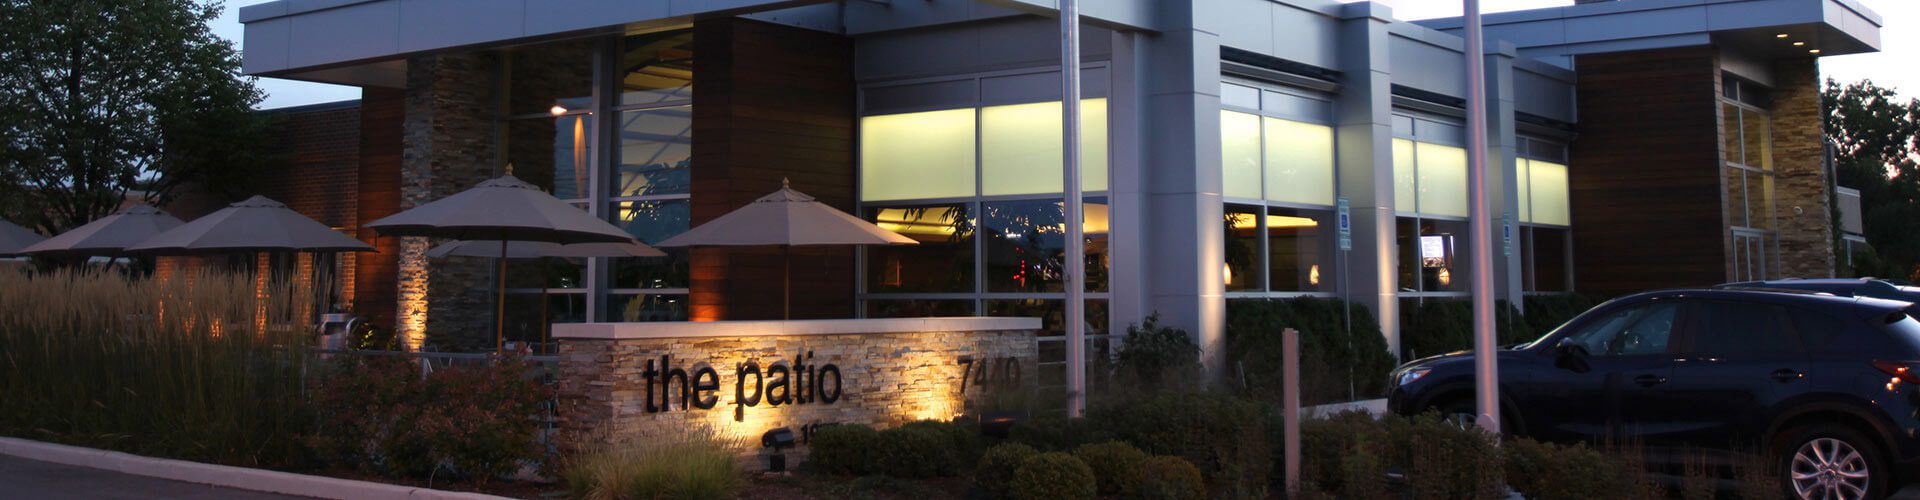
<point>1813,51</point>
<point>1797,44</point>
<point>1782,35</point>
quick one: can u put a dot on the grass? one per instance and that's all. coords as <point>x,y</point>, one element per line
<point>186,367</point>
<point>695,465</point>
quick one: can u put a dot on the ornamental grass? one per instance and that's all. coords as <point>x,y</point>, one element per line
<point>203,366</point>
<point>698,464</point>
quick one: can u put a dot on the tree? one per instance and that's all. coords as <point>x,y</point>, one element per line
<point>99,98</point>
<point>1876,139</point>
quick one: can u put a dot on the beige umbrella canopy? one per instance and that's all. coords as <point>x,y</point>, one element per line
<point>538,249</point>
<point>15,238</point>
<point>786,218</point>
<point>502,210</point>
<point>255,225</point>
<point>110,235</point>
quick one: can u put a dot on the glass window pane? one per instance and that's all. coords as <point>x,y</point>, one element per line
<point>1098,232</point>
<point>1639,330</point>
<point>942,262</point>
<point>540,77</point>
<point>1442,250</point>
<point>1756,139</point>
<point>1549,259</point>
<point>553,153</point>
<point>1523,192</point>
<point>1443,179</point>
<point>918,308</point>
<point>652,222</point>
<point>1242,271</point>
<point>656,148</point>
<point>1026,241</point>
<point>1020,148</point>
<point>1547,188</point>
<point>646,307</point>
<point>1240,154</point>
<point>1406,232</point>
<point>1299,162</point>
<point>552,272</point>
<point>1403,176</point>
<point>1051,312</point>
<point>1737,196</point>
<point>1299,256</point>
<point>917,155</point>
<point>1730,133</point>
<point>657,67</point>
<point>1760,200</point>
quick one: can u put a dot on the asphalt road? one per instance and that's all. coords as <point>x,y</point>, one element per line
<point>24,479</point>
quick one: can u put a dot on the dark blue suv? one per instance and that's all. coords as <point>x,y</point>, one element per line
<point>1826,384</point>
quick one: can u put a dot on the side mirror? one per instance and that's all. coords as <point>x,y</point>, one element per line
<point>1570,355</point>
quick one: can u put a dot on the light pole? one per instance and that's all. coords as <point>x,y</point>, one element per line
<point>1486,369</point>
<point>1076,257</point>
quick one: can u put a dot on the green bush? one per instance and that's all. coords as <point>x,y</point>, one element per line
<point>1335,365</point>
<point>378,414</point>
<point>914,452</point>
<point>1157,356</point>
<point>1345,455</point>
<point>1115,465</point>
<point>1545,471</point>
<point>1051,476</point>
<point>997,467</point>
<point>1431,327</point>
<point>1442,460</point>
<point>962,438</point>
<point>692,465</point>
<point>843,449</point>
<point>1058,433</point>
<point>1168,478</point>
<point>1225,436</point>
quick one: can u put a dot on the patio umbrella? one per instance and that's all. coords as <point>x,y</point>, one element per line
<point>14,238</point>
<point>786,218</point>
<point>503,210</point>
<point>541,249</point>
<point>255,225</point>
<point>110,235</point>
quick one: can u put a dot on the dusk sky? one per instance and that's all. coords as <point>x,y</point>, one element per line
<point>1893,66</point>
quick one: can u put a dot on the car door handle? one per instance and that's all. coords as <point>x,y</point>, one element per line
<point>1649,380</point>
<point>1785,375</point>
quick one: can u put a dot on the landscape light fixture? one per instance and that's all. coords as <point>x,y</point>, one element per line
<point>775,441</point>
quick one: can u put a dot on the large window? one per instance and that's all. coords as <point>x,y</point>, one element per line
<point>1430,196</point>
<point>1543,244</point>
<point>1747,135</point>
<point>971,169</point>
<point>1278,177</point>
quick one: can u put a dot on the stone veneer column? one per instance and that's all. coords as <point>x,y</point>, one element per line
<point>1803,207</point>
<point>448,146</point>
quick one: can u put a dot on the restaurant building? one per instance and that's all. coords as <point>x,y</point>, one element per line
<point>1636,144</point>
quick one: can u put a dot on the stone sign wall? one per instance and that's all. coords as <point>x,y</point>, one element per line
<point>637,381</point>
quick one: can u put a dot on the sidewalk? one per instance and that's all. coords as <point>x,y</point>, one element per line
<point>23,478</point>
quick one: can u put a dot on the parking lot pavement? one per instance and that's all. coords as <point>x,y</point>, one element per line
<point>31,479</point>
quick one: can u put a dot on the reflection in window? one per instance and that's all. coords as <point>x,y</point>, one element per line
<point>1025,245</point>
<point>918,308</point>
<point>941,262</point>
<point>652,222</point>
<point>647,307</point>
<point>1242,226</point>
<point>657,67</point>
<point>1052,312</point>
<point>656,147</point>
<point>1299,256</point>
<point>552,152</point>
<point>1433,255</point>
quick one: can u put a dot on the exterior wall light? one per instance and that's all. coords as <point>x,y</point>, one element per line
<point>557,110</point>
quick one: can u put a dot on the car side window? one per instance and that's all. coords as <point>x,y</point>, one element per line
<point>1636,330</point>
<point>1735,328</point>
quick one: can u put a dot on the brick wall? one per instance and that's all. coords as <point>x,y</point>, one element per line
<point>886,379</point>
<point>1803,204</point>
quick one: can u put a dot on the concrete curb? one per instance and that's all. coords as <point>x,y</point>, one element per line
<point>285,483</point>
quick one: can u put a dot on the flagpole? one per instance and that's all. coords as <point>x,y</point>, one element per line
<point>1486,371</point>
<point>1076,264</point>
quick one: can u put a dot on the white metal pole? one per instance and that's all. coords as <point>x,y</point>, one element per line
<point>1076,256</point>
<point>1486,372</point>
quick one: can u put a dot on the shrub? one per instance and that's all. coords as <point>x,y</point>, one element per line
<point>1225,437</point>
<point>913,452</point>
<point>377,414</point>
<point>844,449</point>
<point>699,464</point>
<point>1169,478</point>
<point>1345,455</point>
<point>1157,356</point>
<point>997,467</point>
<point>1442,460</point>
<point>1545,471</point>
<point>962,438</point>
<point>1337,363</point>
<point>1050,476</point>
<point>1057,433</point>
<point>1439,326</point>
<point>1115,465</point>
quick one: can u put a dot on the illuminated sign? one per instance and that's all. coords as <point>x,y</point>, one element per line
<point>780,383</point>
<point>1433,251</point>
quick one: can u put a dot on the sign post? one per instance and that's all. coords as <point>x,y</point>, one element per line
<point>1486,370</point>
<point>1076,254</point>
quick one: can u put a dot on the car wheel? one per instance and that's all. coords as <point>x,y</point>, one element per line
<point>1823,461</point>
<point>1458,413</point>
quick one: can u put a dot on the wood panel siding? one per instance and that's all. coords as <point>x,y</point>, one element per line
<point>377,275</point>
<point>772,102</point>
<point>1646,180</point>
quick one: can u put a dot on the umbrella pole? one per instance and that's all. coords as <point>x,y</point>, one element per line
<point>500,302</point>
<point>786,282</point>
